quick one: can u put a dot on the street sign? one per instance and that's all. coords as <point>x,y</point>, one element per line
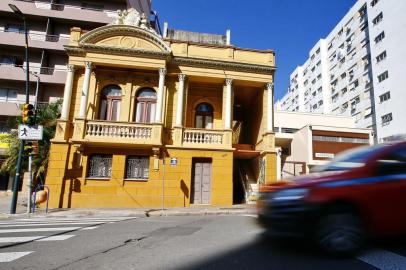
<point>174,161</point>
<point>32,133</point>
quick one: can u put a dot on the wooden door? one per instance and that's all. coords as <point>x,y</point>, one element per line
<point>201,185</point>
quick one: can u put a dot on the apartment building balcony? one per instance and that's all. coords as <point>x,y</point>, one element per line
<point>201,138</point>
<point>70,12</point>
<point>46,75</point>
<point>36,40</point>
<point>112,133</point>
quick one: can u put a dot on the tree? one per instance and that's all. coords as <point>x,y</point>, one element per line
<point>46,115</point>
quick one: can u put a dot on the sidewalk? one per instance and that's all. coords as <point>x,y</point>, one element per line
<point>5,201</point>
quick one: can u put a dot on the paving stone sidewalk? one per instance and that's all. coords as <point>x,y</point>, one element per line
<point>5,201</point>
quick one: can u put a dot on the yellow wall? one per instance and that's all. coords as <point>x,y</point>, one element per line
<point>78,191</point>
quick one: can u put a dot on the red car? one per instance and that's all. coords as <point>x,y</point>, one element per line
<point>359,194</point>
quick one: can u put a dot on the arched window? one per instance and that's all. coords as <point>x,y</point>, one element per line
<point>204,116</point>
<point>110,103</point>
<point>146,106</point>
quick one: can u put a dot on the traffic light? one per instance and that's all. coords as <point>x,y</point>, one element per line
<point>28,114</point>
<point>28,147</point>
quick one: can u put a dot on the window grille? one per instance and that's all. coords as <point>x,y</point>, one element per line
<point>100,166</point>
<point>137,168</point>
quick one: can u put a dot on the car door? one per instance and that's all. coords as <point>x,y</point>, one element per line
<point>388,192</point>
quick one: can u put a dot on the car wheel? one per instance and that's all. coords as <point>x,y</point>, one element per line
<point>340,234</point>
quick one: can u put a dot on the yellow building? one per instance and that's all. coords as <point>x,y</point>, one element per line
<point>153,122</point>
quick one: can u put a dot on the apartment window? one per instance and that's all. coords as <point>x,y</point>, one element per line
<point>320,102</point>
<point>383,76</point>
<point>374,2</point>
<point>8,94</point>
<point>312,57</point>
<point>384,97</point>
<point>314,106</point>
<point>314,81</point>
<point>137,168</point>
<point>99,166</point>
<point>379,37</point>
<point>381,57</point>
<point>306,82</point>
<point>339,139</point>
<point>356,83</point>
<point>318,51</point>
<point>362,11</point>
<point>15,28</point>
<point>343,75</point>
<point>313,68</point>
<point>377,19</point>
<point>318,63</point>
<point>386,119</point>
<point>92,6</point>
<point>344,90</point>
<point>319,89</point>
<point>314,94</point>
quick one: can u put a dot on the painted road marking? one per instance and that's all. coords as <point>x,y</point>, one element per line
<point>11,256</point>
<point>20,239</point>
<point>383,259</point>
<point>49,224</point>
<point>89,228</point>
<point>41,229</point>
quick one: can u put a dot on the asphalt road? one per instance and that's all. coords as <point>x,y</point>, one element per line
<point>191,242</point>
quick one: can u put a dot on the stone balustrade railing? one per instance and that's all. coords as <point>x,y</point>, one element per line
<point>100,131</point>
<point>111,129</point>
<point>202,136</point>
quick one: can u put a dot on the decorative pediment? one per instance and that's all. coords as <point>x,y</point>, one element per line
<point>124,37</point>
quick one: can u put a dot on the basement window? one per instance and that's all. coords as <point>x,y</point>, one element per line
<point>137,168</point>
<point>100,166</point>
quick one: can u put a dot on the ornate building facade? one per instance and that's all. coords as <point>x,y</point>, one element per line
<point>153,122</point>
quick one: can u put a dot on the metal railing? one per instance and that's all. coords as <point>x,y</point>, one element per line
<point>61,7</point>
<point>37,36</point>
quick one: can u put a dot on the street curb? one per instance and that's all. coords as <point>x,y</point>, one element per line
<point>134,214</point>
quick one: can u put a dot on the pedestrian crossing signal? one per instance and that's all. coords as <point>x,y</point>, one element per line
<point>28,114</point>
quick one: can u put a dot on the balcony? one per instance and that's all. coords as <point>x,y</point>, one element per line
<point>46,75</point>
<point>202,138</point>
<point>70,12</point>
<point>116,133</point>
<point>37,40</point>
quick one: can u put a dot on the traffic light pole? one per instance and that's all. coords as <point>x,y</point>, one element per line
<point>29,185</point>
<point>21,150</point>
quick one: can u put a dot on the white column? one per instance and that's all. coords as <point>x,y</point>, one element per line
<point>269,122</point>
<point>229,103</point>
<point>179,108</point>
<point>85,90</point>
<point>159,103</point>
<point>67,93</point>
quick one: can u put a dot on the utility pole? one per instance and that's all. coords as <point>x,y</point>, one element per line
<point>17,177</point>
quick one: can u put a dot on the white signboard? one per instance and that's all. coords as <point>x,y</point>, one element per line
<point>324,155</point>
<point>33,133</point>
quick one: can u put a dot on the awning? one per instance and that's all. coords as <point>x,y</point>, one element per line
<point>9,109</point>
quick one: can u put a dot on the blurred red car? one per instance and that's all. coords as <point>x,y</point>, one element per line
<point>359,194</point>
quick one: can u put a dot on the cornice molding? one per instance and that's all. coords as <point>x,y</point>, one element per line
<point>235,66</point>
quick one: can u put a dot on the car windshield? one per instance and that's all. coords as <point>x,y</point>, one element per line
<point>350,159</point>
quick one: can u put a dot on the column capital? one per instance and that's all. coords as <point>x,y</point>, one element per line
<point>269,86</point>
<point>88,64</point>
<point>162,71</point>
<point>70,68</point>
<point>229,81</point>
<point>182,77</point>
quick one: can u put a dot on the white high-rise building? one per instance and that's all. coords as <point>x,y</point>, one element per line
<point>357,70</point>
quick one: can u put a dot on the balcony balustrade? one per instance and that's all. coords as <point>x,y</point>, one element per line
<point>100,131</point>
<point>202,138</point>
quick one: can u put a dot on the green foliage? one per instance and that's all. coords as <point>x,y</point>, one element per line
<point>46,115</point>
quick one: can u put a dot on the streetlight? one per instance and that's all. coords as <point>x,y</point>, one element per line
<point>13,206</point>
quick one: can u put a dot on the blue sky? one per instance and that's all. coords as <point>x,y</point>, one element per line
<point>290,27</point>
